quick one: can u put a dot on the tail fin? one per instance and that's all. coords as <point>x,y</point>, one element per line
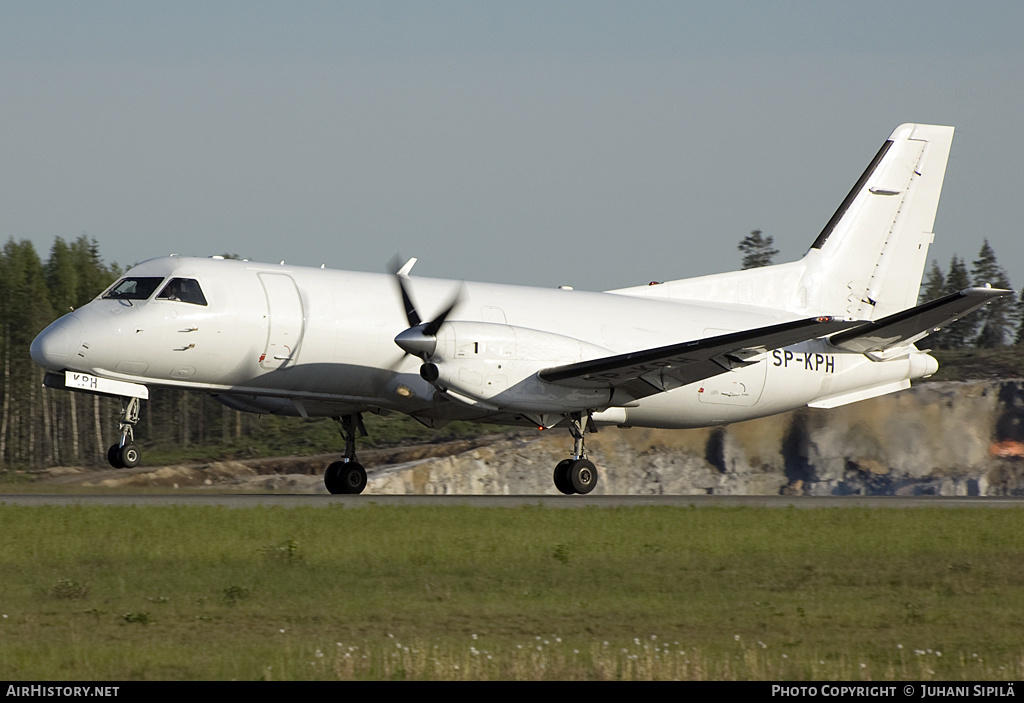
<point>869,259</point>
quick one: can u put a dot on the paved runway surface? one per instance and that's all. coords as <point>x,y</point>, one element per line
<point>323,501</point>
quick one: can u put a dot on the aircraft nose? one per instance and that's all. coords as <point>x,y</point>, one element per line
<point>53,347</point>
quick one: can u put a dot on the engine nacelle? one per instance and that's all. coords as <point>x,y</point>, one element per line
<point>496,366</point>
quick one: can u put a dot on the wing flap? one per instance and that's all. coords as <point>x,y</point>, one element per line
<point>649,371</point>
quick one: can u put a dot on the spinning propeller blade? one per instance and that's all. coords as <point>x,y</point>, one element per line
<point>401,274</point>
<point>420,338</point>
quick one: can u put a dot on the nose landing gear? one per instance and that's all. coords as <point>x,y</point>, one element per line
<point>124,454</point>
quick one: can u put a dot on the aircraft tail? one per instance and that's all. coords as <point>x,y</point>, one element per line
<point>869,259</point>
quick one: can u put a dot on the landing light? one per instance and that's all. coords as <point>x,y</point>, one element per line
<point>404,391</point>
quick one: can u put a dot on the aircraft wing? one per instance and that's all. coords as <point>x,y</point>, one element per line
<point>906,327</point>
<point>642,373</point>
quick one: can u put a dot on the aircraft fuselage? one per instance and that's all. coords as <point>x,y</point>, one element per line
<point>318,342</point>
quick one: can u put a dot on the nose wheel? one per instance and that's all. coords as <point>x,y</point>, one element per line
<point>123,457</point>
<point>124,454</point>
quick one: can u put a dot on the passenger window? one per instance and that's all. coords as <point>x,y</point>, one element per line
<point>185,290</point>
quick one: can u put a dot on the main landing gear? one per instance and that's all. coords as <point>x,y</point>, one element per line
<point>124,454</point>
<point>578,474</point>
<point>348,475</point>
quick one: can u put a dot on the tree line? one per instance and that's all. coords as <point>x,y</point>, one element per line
<point>45,427</point>
<point>998,324</point>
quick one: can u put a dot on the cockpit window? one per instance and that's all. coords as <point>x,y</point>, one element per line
<point>185,290</point>
<point>138,288</point>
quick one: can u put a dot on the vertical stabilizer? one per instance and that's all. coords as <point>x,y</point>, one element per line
<point>869,259</point>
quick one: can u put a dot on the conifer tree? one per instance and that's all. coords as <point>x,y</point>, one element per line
<point>934,285</point>
<point>757,250</point>
<point>1020,319</point>
<point>996,321</point>
<point>962,332</point>
<point>24,311</point>
<point>62,277</point>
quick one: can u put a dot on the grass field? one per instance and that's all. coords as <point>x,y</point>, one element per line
<point>376,592</point>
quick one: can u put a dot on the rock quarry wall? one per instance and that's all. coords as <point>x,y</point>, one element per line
<point>949,439</point>
<point>934,439</point>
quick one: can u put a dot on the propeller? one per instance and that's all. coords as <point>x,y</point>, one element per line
<point>420,339</point>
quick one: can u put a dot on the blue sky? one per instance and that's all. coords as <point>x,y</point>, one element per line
<point>598,144</point>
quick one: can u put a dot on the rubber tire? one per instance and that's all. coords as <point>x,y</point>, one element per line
<point>583,476</point>
<point>561,477</point>
<point>345,478</point>
<point>114,456</point>
<point>129,456</point>
<point>331,481</point>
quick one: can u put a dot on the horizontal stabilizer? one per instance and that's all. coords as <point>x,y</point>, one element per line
<point>835,401</point>
<point>650,371</point>
<point>904,328</point>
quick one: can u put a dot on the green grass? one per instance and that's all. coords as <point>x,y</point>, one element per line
<point>120,593</point>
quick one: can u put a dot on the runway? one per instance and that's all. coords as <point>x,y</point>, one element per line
<point>248,500</point>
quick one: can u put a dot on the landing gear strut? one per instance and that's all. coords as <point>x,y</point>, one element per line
<point>348,475</point>
<point>578,474</point>
<point>124,454</point>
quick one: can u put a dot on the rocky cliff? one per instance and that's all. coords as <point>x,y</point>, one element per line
<point>935,439</point>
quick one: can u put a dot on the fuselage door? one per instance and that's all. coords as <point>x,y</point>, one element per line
<point>285,321</point>
<point>742,386</point>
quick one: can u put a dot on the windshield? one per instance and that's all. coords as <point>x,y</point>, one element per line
<point>184,290</point>
<point>138,288</point>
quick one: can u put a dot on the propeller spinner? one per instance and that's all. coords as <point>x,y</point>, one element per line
<point>420,339</point>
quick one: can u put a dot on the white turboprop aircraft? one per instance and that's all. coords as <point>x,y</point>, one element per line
<point>835,327</point>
